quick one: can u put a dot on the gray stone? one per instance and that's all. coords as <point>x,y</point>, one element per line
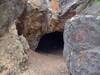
<point>76,5</point>
<point>13,58</point>
<point>82,45</point>
<point>93,9</point>
<point>9,11</point>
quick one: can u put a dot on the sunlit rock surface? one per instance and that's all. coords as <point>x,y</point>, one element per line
<point>12,53</point>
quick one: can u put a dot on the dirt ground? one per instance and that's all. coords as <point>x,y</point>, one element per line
<point>46,64</point>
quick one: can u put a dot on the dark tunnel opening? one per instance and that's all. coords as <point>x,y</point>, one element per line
<point>51,43</point>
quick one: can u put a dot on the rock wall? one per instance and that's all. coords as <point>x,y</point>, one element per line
<point>8,12</point>
<point>27,20</point>
<point>82,45</point>
<point>39,18</point>
<point>13,58</point>
<point>37,22</point>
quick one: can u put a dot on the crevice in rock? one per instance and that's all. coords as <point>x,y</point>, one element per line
<point>20,22</point>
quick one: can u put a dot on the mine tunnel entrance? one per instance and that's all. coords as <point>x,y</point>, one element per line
<point>51,43</point>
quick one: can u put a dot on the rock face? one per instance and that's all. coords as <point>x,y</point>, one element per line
<point>9,10</point>
<point>92,9</point>
<point>39,19</point>
<point>82,45</point>
<point>37,22</point>
<point>12,52</point>
<point>32,19</point>
<point>12,56</point>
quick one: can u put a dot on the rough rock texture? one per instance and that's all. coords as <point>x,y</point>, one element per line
<point>12,53</point>
<point>82,45</point>
<point>93,9</point>
<point>76,5</point>
<point>32,19</point>
<point>37,22</point>
<point>39,18</point>
<point>9,10</point>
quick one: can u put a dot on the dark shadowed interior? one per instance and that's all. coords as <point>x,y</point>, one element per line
<point>51,43</point>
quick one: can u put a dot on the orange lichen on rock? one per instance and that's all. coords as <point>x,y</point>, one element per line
<point>55,6</point>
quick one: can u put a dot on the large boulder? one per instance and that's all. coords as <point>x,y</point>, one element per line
<point>9,11</point>
<point>13,58</point>
<point>82,45</point>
